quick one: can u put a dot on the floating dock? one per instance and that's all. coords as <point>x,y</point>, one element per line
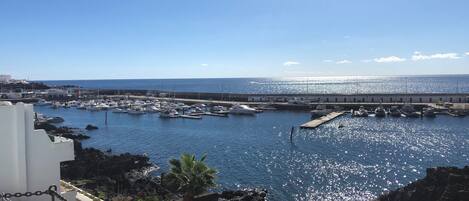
<point>321,120</point>
<point>190,116</point>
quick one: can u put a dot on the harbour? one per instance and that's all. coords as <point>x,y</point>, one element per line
<point>257,151</point>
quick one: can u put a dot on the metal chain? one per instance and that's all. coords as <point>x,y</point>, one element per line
<point>52,191</point>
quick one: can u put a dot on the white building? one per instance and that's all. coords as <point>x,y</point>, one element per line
<point>57,92</point>
<point>29,159</point>
<point>5,78</point>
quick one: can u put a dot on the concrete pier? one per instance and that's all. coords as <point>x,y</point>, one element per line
<point>321,120</point>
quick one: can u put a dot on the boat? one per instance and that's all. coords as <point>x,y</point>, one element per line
<point>429,112</point>
<point>217,109</point>
<point>42,102</point>
<point>321,110</point>
<point>81,106</point>
<point>242,109</point>
<point>92,108</point>
<point>118,110</point>
<point>409,111</point>
<point>362,112</point>
<point>169,113</point>
<point>394,112</point>
<point>136,111</point>
<point>152,109</point>
<point>55,120</point>
<point>190,116</point>
<point>380,112</point>
<point>457,113</point>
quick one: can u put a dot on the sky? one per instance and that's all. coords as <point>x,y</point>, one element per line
<point>110,39</point>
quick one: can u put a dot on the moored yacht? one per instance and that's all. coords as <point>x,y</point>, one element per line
<point>169,113</point>
<point>242,109</point>
<point>409,111</point>
<point>394,112</point>
<point>362,112</point>
<point>118,110</point>
<point>429,112</point>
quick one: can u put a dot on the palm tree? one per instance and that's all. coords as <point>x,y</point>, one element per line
<point>191,176</point>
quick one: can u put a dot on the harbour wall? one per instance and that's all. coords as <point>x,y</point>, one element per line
<point>306,98</point>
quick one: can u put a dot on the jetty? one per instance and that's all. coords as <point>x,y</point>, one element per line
<point>321,120</point>
<point>190,116</point>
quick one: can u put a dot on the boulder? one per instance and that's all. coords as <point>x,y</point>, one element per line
<point>91,127</point>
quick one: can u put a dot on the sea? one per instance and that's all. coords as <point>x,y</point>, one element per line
<point>339,84</point>
<point>345,159</point>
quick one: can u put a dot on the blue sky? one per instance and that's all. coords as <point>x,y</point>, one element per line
<point>109,39</point>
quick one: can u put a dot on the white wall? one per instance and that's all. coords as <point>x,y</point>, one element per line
<point>29,160</point>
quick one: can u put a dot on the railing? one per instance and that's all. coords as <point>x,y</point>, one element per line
<point>69,185</point>
<point>52,192</point>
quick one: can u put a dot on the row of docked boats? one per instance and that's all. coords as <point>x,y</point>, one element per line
<point>380,111</point>
<point>395,111</point>
<point>166,109</point>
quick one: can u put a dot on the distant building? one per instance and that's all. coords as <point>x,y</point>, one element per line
<point>54,92</point>
<point>29,159</point>
<point>5,78</point>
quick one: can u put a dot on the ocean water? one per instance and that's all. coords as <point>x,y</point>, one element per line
<point>343,84</point>
<point>357,162</point>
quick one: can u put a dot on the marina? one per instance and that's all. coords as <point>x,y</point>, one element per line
<point>344,159</point>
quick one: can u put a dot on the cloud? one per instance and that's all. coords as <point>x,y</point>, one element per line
<point>204,65</point>
<point>327,61</point>
<point>390,59</point>
<point>291,63</point>
<point>467,53</point>
<point>419,56</point>
<point>343,62</point>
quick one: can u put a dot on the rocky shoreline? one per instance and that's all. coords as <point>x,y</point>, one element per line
<point>440,184</point>
<point>127,176</point>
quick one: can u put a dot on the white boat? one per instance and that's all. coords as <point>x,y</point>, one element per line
<point>170,113</point>
<point>92,108</point>
<point>42,102</point>
<point>118,110</point>
<point>152,109</point>
<point>55,120</point>
<point>136,111</point>
<point>362,112</point>
<point>242,109</point>
<point>81,106</point>
<point>219,109</point>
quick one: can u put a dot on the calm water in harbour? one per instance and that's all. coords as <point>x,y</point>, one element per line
<point>343,84</point>
<point>356,162</point>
